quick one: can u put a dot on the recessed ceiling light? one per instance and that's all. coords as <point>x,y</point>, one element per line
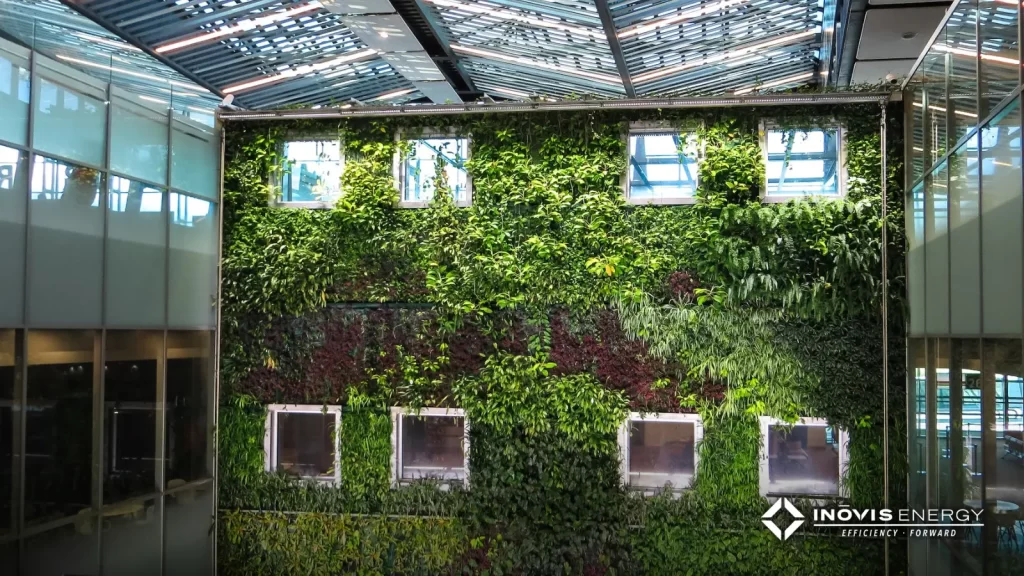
<point>301,70</point>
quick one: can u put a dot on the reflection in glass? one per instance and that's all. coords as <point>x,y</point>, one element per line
<point>917,132</point>
<point>138,141</point>
<point>1000,51</point>
<point>58,428</point>
<point>13,200</point>
<point>8,410</point>
<point>1004,483</point>
<point>312,171</point>
<point>420,174</point>
<point>965,240</point>
<point>66,260</point>
<point>196,153</point>
<point>70,549</point>
<point>1002,223</point>
<point>803,460</point>
<point>188,525</point>
<point>189,386</point>
<point>68,123</point>
<point>918,425</point>
<point>662,166</point>
<point>914,212</point>
<point>133,363</point>
<point>661,453</point>
<point>432,447</point>
<point>193,262</point>
<point>960,34</point>
<point>136,254</point>
<point>305,443</point>
<point>131,539</point>
<point>936,234</point>
<point>803,162</point>
<point>15,79</point>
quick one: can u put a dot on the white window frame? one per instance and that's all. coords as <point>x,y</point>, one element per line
<point>623,437</point>
<point>397,413</point>
<point>398,163</point>
<point>841,175</point>
<point>655,128</point>
<point>279,176</point>
<point>270,437</point>
<point>844,453</point>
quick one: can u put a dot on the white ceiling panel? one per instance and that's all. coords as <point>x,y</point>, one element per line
<point>898,33</point>
<point>875,71</point>
<point>438,92</point>
<point>387,33</point>
<point>358,6</point>
<point>416,66</point>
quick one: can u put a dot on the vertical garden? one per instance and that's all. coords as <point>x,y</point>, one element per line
<point>548,310</point>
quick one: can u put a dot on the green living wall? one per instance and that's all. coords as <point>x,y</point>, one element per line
<point>547,310</point>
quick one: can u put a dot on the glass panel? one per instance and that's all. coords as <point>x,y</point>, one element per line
<point>195,151</point>
<point>312,171</point>
<point>661,453</point>
<point>8,409</point>
<point>662,166</point>
<point>936,233</point>
<point>918,131</point>
<point>188,527</point>
<point>58,427</point>
<point>9,554</point>
<point>1004,482</point>
<point>1002,223</point>
<point>419,176</point>
<point>1000,53</point>
<point>14,91</point>
<point>189,388</point>
<point>960,453</point>
<point>803,460</point>
<point>938,412</point>
<point>432,447</point>
<point>193,262</point>
<point>133,364</point>
<point>136,255</point>
<point>914,212</point>
<point>66,263</point>
<point>305,443</point>
<point>918,425</point>
<point>68,123</point>
<point>70,549</point>
<point>13,197</point>
<point>802,163</point>
<point>138,141</point>
<point>961,38</point>
<point>965,240</point>
<point>934,78</point>
<point>131,539</point>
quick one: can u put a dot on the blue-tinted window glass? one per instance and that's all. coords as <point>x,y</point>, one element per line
<point>68,123</point>
<point>13,196</point>
<point>196,153</point>
<point>14,91</point>
<point>803,163</point>
<point>419,172</point>
<point>138,142</point>
<point>136,254</point>
<point>193,262</point>
<point>312,171</point>
<point>66,256</point>
<point>662,166</point>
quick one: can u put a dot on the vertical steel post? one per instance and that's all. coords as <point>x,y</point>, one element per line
<point>885,319</point>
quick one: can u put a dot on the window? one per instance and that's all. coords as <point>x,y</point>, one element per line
<point>806,458</point>
<point>660,450</point>
<point>301,441</point>
<point>311,173</point>
<point>803,163</point>
<point>417,175</point>
<point>432,443</point>
<point>662,166</point>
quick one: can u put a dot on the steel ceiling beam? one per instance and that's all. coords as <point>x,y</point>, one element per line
<point>110,27</point>
<point>424,26</point>
<point>613,43</point>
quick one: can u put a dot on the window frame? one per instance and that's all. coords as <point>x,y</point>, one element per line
<point>270,455</point>
<point>766,422</point>
<point>399,162</point>
<point>654,128</point>
<point>623,440</point>
<point>278,177</point>
<point>767,125</point>
<point>397,414</point>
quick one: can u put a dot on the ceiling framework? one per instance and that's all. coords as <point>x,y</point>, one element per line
<point>281,53</point>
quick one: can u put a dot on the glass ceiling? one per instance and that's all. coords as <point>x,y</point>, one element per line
<point>279,53</point>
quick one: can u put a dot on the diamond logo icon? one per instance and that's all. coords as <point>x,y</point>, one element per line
<point>767,519</point>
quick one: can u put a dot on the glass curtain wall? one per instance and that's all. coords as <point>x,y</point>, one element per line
<point>965,228</point>
<point>109,222</point>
